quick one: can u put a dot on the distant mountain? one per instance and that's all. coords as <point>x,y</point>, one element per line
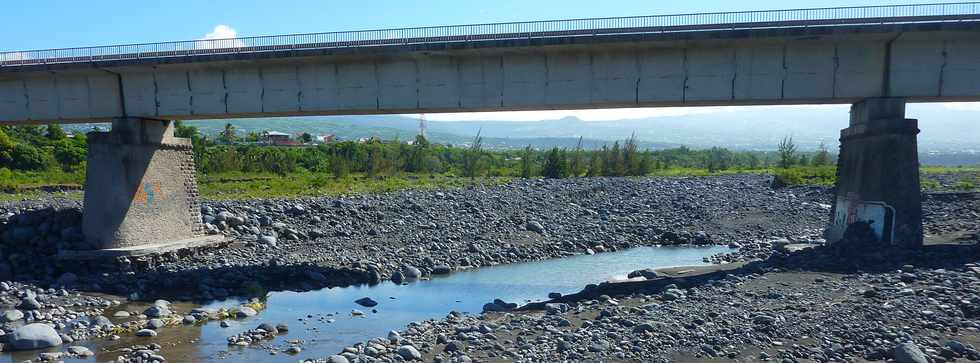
<point>944,130</point>
<point>390,127</point>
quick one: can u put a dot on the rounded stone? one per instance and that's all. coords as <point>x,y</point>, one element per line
<point>35,336</point>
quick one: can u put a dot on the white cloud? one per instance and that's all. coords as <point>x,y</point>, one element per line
<point>222,36</point>
<point>222,32</point>
<point>961,106</point>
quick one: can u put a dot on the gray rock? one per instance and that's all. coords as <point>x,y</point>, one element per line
<point>268,328</point>
<point>268,241</point>
<point>100,320</point>
<point>146,333</point>
<point>245,311</point>
<point>409,352</point>
<point>121,314</point>
<point>154,324</point>
<point>29,303</point>
<point>556,308</point>
<point>80,351</point>
<point>366,302</point>
<point>157,311</point>
<point>498,305</point>
<point>224,216</point>
<point>12,315</point>
<point>189,319</point>
<point>34,336</point>
<point>397,277</point>
<point>909,353</point>
<point>441,270</point>
<point>337,359</point>
<point>648,274</point>
<point>764,320</point>
<point>534,226</point>
<point>410,272</point>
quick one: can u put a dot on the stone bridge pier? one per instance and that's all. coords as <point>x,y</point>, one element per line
<point>878,177</point>
<point>140,191</point>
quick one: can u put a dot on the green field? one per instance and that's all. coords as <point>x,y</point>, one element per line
<point>16,185</point>
<point>307,184</point>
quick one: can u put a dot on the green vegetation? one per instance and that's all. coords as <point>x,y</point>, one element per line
<point>35,158</point>
<point>307,184</point>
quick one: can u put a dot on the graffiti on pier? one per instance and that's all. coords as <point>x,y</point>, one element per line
<point>878,215</point>
<point>148,194</point>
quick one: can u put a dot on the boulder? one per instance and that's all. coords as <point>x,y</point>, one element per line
<point>410,272</point>
<point>908,352</point>
<point>12,315</point>
<point>366,302</point>
<point>34,336</point>
<point>409,352</point>
<point>534,226</point>
<point>245,311</point>
<point>157,311</point>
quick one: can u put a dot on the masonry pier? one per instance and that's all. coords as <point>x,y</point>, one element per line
<point>878,177</point>
<point>140,190</point>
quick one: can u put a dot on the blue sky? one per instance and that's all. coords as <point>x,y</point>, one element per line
<point>40,24</point>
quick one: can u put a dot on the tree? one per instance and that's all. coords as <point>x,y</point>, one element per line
<point>822,157</point>
<point>526,164</point>
<point>229,134</point>
<point>472,157</point>
<point>612,162</point>
<point>804,160</point>
<point>185,131</point>
<point>306,138</point>
<point>7,145</point>
<point>577,165</point>
<point>718,159</point>
<point>26,157</point>
<point>54,133</point>
<point>555,165</point>
<point>69,153</point>
<point>787,152</point>
<point>595,163</point>
<point>631,156</point>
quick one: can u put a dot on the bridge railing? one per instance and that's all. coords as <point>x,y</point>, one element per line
<point>888,14</point>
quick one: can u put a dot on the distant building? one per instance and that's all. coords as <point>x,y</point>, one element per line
<point>278,138</point>
<point>326,139</point>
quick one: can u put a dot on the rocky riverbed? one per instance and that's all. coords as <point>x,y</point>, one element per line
<point>310,243</point>
<point>306,244</point>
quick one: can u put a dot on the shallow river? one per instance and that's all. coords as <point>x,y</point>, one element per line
<point>322,318</point>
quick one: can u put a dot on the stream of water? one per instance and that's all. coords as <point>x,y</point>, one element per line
<point>322,318</point>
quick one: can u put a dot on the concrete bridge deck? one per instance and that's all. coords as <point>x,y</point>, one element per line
<point>833,55</point>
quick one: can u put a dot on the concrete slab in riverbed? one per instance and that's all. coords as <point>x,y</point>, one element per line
<point>683,276</point>
<point>143,250</point>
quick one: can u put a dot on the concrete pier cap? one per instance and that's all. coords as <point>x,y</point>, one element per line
<point>140,191</point>
<point>877,195</point>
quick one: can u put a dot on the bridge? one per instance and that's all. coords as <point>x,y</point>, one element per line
<point>874,57</point>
